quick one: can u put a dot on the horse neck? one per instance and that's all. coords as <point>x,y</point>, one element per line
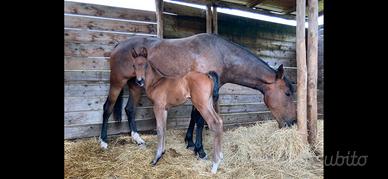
<point>250,71</point>
<point>151,77</point>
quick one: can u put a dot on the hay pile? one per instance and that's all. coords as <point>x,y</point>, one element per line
<point>258,151</point>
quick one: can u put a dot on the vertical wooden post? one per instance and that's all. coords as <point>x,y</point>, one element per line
<point>159,17</point>
<point>208,19</point>
<point>215,19</point>
<point>302,71</point>
<point>312,71</point>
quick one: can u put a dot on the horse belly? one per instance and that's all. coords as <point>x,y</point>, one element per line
<point>177,93</point>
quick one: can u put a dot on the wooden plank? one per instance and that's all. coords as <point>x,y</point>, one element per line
<point>95,117</point>
<point>73,104</point>
<point>263,43</point>
<point>229,119</point>
<point>72,132</point>
<point>99,76</point>
<point>90,130</point>
<point>146,113</point>
<point>159,17</point>
<point>86,50</point>
<point>96,102</point>
<point>83,36</point>
<point>242,7</point>
<point>253,3</point>
<point>281,54</point>
<point>302,69</point>
<point>180,10</point>
<point>182,26</point>
<point>85,89</point>
<point>312,71</point>
<point>108,11</point>
<point>108,25</point>
<point>184,111</point>
<point>85,63</point>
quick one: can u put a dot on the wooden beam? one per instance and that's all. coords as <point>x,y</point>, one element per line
<point>290,10</point>
<point>159,17</point>
<point>229,5</point>
<point>254,3</point>
<point>209,19</point>
<point>312,71</point>
<point>215,20</point>
<point>302,69</point>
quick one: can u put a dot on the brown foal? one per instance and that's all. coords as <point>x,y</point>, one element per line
<point>168,92</point>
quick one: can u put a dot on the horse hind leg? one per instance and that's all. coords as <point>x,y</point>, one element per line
<point>133,100</point>
<point>118,107</point>
<point>199,119</point>
<point>215,124</point>
<point>198,149</point>
<point>114,92</point>
<point>190,130</point>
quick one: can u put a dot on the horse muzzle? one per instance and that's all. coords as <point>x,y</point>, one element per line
<point>140,82</point>
<point>289,122</point>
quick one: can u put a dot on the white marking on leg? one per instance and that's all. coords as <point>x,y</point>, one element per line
<point>103,144</point>
<point>137,138</point>
<point>215,167</point>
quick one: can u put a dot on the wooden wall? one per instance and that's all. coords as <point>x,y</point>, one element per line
<point>88,36</point>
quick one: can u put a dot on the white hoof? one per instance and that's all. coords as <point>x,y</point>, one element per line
<point>137,138</point>
<point>103,144</point>
<point>215,167</point>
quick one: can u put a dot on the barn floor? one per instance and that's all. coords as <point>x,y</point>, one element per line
<point>257,151</point>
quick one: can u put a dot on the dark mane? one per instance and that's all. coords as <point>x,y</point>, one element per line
<point>289,85</point>
<point>245,49</point>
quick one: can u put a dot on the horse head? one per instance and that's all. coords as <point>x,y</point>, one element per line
<point>140,65</point>
<point>279,97</point>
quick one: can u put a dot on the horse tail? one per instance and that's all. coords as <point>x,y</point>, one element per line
<point>118,107</point>
<point>215,78</point>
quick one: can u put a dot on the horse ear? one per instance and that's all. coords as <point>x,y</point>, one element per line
<point>143,52</point>
<point>134,54</point>
<point>280,72</point>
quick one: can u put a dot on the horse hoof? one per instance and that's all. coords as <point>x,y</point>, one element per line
<point>190,148</point>
<point>136,137</point>
<point>214,168</point>
<point>103,144</point>
<point>202,158</point>
<point>142,146</point>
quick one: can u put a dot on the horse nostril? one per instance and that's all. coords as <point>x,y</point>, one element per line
<point>289,122</point>
<point>140,82</point>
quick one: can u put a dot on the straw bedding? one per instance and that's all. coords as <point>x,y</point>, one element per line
<point>257,151</point>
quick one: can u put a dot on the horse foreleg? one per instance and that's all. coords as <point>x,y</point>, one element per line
<point>161,119</point>
<point>133,100</point>
<point>190,130</point>
<point>114,92</point>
